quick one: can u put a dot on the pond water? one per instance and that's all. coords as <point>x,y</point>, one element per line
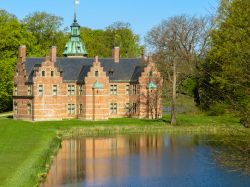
<point>149,160</point>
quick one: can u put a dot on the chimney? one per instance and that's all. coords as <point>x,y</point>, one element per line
<point>116,54</point>
<point>22,53</point>
<point>53,54</point>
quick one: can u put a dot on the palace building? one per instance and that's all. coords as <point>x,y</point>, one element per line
<point>75,86</point>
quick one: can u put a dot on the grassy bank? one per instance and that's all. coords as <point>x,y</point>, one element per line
<point>26,147</point>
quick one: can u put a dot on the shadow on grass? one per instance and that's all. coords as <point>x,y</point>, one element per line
<point>9,116</point>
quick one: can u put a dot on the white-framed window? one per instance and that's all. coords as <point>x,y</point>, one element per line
<point>134,89</point>
<point>29,90</point>
<point>54,90</point>
<point>113,108</point>
<point>71,109</point>
<point>134,108</point>
<point>15,108</point>
<point>150,73</point>
<point>96,73</point>
<point>113,89</point>
<point>80,89</point>
<point>29,109</point>
<point>15,90</point>
<point>71,89</point>
<point>40,90</point>
<point>127,89</point>
<point>127,107</point>
<point>80,108</point>
<point>43,73</point>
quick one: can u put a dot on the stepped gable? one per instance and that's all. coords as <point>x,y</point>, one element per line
<point>75,69</point>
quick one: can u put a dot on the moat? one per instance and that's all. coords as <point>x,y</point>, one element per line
<point>150,160</point>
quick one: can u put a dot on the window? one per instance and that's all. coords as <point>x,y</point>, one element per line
<point>134,89</point>
<point>151,73</point>
<point>43,73</point>
<point>127,106</point>
<point>54,90</point>
<point>71,89</point>
<point>111,72</point>
<point>15,90</point>
<point>29,109</point>
<point>29,90</point>
<point>113,108</point>
<point>81,90</point>
<point>15,108</point>
<point>134,108</point>
<point>52,73</point>
<point>80,108</point>
<point>113,89</point>
<point>127,89</point>
<point>71,109</point>
<point>40,90</point>
<point>96,73</point>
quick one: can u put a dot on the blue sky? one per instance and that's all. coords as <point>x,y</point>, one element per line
<point>97,14</point>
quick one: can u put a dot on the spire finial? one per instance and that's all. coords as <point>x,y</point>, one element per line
<point>76,2</point>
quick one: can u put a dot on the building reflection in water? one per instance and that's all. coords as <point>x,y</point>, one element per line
<point>96,161</point>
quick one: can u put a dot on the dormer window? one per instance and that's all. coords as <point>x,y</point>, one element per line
<point>111,72</point>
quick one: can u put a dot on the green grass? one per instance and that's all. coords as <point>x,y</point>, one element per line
<point>26,147</point>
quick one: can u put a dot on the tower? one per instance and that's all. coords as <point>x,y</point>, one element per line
<point>75,46</point>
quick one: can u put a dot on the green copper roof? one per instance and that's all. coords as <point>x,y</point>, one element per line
<point>98,85</point>
<point>75,46</point>
<point>151,85</point>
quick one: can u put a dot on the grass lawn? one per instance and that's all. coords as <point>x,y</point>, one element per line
<point>26,147</point>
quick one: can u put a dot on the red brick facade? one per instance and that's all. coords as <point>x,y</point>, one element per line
<point>49,97</point>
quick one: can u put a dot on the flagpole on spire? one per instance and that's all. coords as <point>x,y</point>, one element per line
<point>76,2</point>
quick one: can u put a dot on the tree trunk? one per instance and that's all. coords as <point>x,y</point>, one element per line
<point>173,107</point>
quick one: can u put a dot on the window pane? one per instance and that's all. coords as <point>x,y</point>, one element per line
<point>40,90</point>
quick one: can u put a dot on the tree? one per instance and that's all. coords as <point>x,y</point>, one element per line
<point>120,34</point>
<point>179,45</point>
<point>228,61</point>
<point>97,42</point>
<point>47,30</point>
<point>101,42</point>
<point>12,35</point>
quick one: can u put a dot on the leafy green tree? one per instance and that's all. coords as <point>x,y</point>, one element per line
<point>227,69</point>
<point>120,34</point>
<point>101,42</point>
<point>47,30</point>
<point>97,42</point>
<point>12,35</point>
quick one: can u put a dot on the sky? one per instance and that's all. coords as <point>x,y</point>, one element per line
<point>98,14</point>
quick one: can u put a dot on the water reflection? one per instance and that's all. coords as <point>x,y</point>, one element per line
<point>145,160</point>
